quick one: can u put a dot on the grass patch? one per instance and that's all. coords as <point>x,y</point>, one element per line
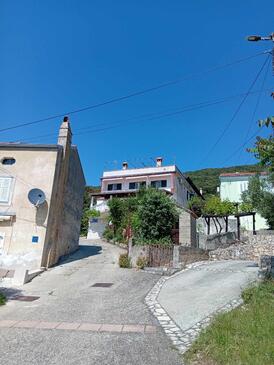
<point>2,299</point>
<point>244,336</point>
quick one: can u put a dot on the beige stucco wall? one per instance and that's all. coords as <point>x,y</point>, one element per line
<point>34,168</point>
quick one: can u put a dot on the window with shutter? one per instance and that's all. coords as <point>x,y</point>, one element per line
<point>5,189</point>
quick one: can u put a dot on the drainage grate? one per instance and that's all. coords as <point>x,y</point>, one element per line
<point>101,285</point>
<point>25,298</point>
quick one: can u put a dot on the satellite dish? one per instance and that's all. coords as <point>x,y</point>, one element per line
<point>36,197</point>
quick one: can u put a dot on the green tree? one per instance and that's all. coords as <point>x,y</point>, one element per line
<point>215,206</point>
<point>264,147</point>
<point>259,197</point>
<point>157,215</point>
<point>86,208</point>
<point>259,193</point>
<point>196,204</point>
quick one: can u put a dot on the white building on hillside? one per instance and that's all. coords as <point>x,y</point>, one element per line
<point>126,182</point>
<point>232,185</point>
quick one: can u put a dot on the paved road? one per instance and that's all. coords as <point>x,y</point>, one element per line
<point>68,304</point>
<point>196,293</point>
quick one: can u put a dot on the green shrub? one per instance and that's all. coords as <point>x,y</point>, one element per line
<point>118,236</point>
<point>157,215</point>
<point>124,261</point>
<point>165,241</point>
<point>215,206</point>
<point>2,299</point>
<point>196,204</point>
<point>108,234</point>
<point>141,262</point>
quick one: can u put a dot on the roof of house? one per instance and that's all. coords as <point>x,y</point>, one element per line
<point>235,174</point>
<point>19,145</point>
<point>139,171</point>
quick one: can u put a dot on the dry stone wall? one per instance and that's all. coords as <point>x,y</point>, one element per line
<point>256,246</point>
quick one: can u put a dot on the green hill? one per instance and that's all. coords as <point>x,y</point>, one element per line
<point>208,179</point>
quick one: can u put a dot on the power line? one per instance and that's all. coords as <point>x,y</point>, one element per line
<point>243,145</point>
<point>236,111</point>
<point>153,116</point>
<point>257,104</point>
<point>133,94</point>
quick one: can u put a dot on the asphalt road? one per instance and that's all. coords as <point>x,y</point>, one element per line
<point>66,294</point>
<point>194,294</point>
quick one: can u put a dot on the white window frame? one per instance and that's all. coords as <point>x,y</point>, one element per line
<point>10,186</point>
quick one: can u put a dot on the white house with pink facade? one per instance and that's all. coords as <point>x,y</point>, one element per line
<point>126,182</point>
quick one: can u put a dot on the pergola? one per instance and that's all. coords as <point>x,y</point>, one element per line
<point>215,218</point>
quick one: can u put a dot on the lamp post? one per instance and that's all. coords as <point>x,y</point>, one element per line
<point>256,38</point>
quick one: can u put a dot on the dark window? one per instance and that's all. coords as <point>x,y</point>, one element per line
<point>132,185</point>
<point>189,195</point>
<point>159,184</point>
<point>8,161</point>
<point>136,185</point>
<point>114,187</point>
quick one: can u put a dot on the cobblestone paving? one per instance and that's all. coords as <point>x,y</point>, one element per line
<point>75,326</point>
<point>182,340</point>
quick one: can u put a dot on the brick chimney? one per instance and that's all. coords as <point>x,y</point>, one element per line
<point>159,161</point>
<point>125,165</point>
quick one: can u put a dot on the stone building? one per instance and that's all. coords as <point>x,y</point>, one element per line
<point>37,235</point>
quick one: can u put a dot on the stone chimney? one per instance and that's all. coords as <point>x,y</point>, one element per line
<point>64,138</point>
<point>125,165</point>
<point>159,161</point>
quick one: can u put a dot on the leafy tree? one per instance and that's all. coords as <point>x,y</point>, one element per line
<point>215,206</point>
<point>86,208</point>
<point>116,212</point>
<point>260,199</point>
<point>196,204</point>
<point>122,214</point>
<point>264,147</point>
<point>156,214</point>
<point>258,193</point>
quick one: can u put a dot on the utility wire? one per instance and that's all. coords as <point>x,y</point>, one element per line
<point>133,94</point>
<point>236,112</point>
<point>243,145</point>
<point>153,116</point>
<point>257,104</point>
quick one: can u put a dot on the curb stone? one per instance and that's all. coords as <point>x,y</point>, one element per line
<point>181,339</point>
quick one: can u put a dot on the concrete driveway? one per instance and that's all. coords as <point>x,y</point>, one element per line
<point>73,322</point>
<point>194,294</point>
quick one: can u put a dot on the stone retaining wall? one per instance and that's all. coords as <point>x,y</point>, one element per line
<point>265,238</point>
<point>213,241</point>
<point>244,251</point>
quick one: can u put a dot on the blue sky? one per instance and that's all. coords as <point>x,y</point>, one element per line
<point>58,56</point>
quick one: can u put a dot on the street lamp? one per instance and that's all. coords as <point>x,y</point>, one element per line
<point>256,38</point>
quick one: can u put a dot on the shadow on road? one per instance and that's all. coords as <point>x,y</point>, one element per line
<point>83,251</point>
<point>10,292</point>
